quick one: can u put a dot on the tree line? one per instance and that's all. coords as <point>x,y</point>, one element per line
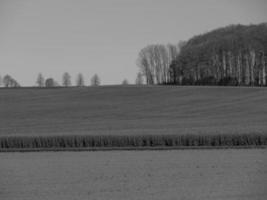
<point>233,55</point>
<point>10,82</point>
<point>66,81</point>
<point>41,81</point>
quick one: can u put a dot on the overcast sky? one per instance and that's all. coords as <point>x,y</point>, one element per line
<point>104,36</point>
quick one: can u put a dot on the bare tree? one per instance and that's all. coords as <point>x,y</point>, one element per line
<point>40,80</point>
<point>66,80</point>
<point>125,82</point>
<point>144,64</point>
<point>95,80</point>
<point>139,79</point>
<point>154,62</point>
<point>80,80</point>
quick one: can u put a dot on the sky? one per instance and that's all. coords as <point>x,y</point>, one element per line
<point>104,36</point>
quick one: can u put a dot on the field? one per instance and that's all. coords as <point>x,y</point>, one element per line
<point>139,117</point>
<point>135,175</point>
<point>132,110</point>
<point>132,116</point>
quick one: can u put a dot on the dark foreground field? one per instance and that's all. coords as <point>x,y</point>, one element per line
<point>135,175</point>
<point>132,110</point>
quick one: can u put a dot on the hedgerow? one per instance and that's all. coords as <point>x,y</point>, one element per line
<point>230,140</point>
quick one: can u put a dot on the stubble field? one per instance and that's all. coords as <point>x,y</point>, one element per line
<point>141,175</point>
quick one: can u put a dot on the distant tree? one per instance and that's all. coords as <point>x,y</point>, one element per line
<point>6,80</point>
<point>50,82</point>
<point>125,82</point>
<point>95,80</point>
<point>10,82</point>
<point>80,80</point>
<point>66,80</point>
<point>139,79</point>
<point>0,80</point>
<point>40,80</point>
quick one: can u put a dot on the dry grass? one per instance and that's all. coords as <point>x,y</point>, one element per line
<point>101,142</point>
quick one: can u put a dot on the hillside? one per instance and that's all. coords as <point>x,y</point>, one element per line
<point>131,110</point>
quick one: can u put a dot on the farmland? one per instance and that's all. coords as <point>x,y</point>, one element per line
<point>132,116</point>
<point>120,175</point>
<point>138,117</point>
<point>132,110</point>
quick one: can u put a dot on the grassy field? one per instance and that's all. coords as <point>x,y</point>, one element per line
<point>133,110</point>
<point>135,175</point>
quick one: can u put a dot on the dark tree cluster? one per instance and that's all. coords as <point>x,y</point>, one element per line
<point>8,81</point>
<point>234,55</point>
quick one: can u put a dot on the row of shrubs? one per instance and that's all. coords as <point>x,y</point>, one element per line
<point>132,141</point>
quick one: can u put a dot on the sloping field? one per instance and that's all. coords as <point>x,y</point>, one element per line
<point>132,110</point>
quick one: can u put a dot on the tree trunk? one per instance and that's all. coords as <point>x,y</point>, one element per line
<point>239,72</point>
<point>247,71</point>
<point>230,66</point>
<point>263,69</point>
<point>252,66</point>
<point>224,64</point>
